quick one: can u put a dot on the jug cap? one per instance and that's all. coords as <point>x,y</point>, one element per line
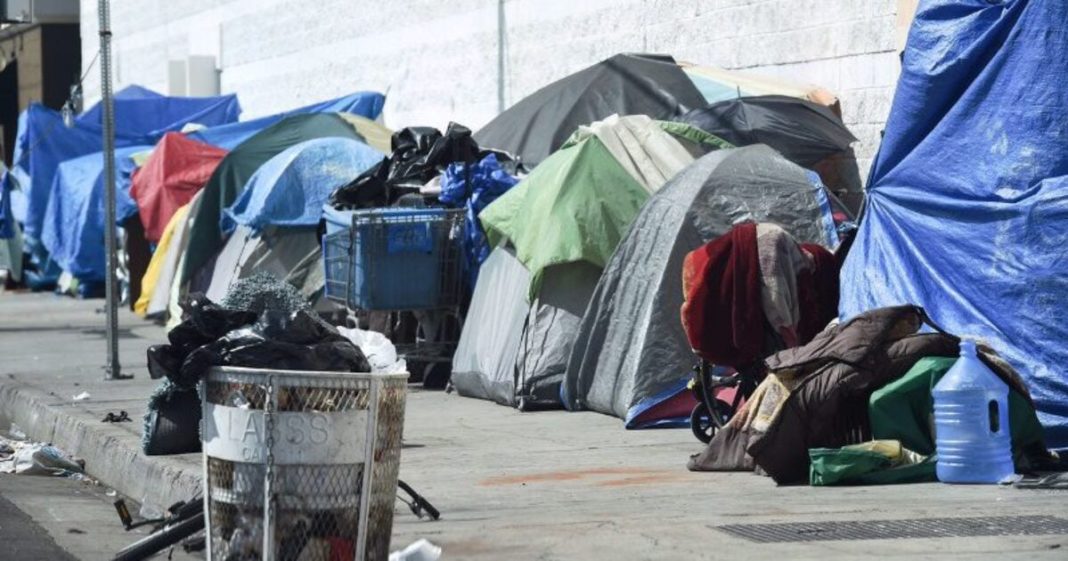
<point>967,346</point>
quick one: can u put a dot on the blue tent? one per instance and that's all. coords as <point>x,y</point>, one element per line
<point>73,227</point>
<point>967,211</point>
<point>365,104</point>
<point>292,187</point>
<point>141,117</point>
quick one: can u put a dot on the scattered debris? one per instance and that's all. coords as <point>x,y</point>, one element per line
<point>421,550</point>
<point>122,417</point>
<point>81,397</point>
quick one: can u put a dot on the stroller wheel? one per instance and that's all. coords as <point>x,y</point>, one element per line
<point>701,423</point>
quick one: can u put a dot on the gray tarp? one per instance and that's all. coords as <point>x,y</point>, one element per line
<point>631,350</point>
<point>483,365</point>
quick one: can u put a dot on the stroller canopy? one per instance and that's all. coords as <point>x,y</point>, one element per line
<point>631,353</point>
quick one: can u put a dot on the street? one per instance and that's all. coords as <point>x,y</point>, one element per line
<point>59,519</point>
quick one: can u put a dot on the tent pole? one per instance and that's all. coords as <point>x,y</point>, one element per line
<point>114,370</point>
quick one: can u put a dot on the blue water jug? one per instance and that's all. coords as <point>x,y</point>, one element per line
<point>971,414</point>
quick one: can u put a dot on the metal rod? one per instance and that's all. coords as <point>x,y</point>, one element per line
<point>111,289</point>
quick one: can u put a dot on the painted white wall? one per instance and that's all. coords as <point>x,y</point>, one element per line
<point>437,60</point>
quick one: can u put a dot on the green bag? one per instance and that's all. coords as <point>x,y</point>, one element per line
<point>878,462</point>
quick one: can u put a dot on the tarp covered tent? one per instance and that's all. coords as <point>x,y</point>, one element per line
<point>625,84</point>
<point>967,210</point>
<point>73,228</point>
<point>176,170</point>
<point>275,217</point>
<point>231,175</point>
<point>563,220</point>
<point>366,104</point>
<point>291,188</point>
<point>141,118</point>
<point>631,353</point>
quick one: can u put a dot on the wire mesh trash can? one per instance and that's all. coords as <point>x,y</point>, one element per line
<point>389,259</point>
<point>300,465</point>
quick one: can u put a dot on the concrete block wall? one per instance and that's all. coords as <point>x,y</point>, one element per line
<point>438,59</point>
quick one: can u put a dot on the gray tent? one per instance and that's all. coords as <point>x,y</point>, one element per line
<point>631,353</point>
<point>483,365</point>
<point>514,352</point>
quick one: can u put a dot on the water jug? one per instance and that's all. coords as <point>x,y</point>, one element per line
<point>971,416</point>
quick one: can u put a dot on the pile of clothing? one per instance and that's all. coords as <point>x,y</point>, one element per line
<point>776,292</point>
<point>262,323</point>
<point>844,408</point>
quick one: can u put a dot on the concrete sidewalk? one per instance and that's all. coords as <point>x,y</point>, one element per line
<point>511,486</point>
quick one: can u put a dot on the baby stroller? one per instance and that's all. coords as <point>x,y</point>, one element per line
<point>747,296</point>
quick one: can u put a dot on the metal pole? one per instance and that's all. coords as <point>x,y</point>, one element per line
<point>114,370</point>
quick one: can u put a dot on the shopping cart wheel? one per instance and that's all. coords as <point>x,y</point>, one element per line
<point>436,375</point>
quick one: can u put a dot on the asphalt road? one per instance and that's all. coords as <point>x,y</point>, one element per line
<point>22,539</point>
<point>57,519</point>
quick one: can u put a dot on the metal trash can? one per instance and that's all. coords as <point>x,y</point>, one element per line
<point>300,465</point>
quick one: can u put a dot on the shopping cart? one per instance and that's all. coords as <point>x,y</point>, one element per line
<point>406,263</point>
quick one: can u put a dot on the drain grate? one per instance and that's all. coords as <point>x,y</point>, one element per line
<point>894,529</point>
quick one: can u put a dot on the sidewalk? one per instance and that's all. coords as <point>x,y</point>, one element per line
<point>511,486</point>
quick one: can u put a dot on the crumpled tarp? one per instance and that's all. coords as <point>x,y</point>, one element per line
<point>176,170</point>
<point>73,227</point>
<point>141,118</point>
<point>474,188</point>
<point>291,188</point>
<point>967,210</point>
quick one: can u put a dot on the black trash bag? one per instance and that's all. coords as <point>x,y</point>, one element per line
<point>170,424</point>
<point>163,362</point>
<point>279,341</point>
<point>419,155</point>
<point>203,322</point>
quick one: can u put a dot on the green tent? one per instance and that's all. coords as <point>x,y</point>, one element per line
<point>205,236</point>
<point>576,205</point>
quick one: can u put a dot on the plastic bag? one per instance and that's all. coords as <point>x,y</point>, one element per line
<point>378,349</point>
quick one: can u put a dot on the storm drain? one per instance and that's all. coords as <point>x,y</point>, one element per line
<point>896,529</point>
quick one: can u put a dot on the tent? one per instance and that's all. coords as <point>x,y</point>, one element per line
<point>625,84</point>
<point>563,221</point>
<point>365,104</point>
<point>967,210</point>
<point>291,188</point>
<point>631,356</point>
<point>176,170</point>
<point>141,117</point>
<point>803,131</point>
<point>718,84</point>
<point>206,236</point>
<point>157,273</point>
<point>166,290</point>
<point>73,227</point>
<point>275,217</point>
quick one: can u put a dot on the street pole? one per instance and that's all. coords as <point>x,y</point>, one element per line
<point>111,289</point>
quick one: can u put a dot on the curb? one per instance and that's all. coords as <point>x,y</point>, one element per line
<point>109,454</point>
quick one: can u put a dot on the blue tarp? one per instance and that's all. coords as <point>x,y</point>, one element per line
<point>365,104</point>
<point>73,227</point>
<point>474,188</point>
<point>141,117</point>
<point>967,211</point>
<point>292,187</point>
